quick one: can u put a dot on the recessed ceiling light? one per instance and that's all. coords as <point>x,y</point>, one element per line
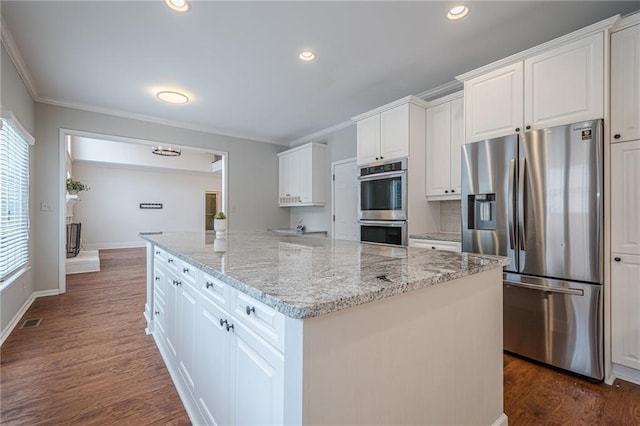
<point>307,55</point>
<point>457,12</point>
<point>172,97</point>
<point>178,5</point>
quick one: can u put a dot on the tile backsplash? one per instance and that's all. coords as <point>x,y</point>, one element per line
<point>450,219</point>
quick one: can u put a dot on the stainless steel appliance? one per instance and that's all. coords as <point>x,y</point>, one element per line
<point>537,199</point>
<point>382,211</point>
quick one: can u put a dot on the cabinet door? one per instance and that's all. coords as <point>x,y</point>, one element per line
<point>438,150</point>
<point>288,175</point>
<point>625,84</point>
<point>625,311</point>
<point>257,380</point>
<point>394,133</point>
<point>494,103</point>
<point>625,197</point>
<point>212,361</point>
<point>186,333</point>
<point>368,139</point>
<point>171,310</point>
<point>565,85</point>
<point>305,174</point>
<point>457,140</point>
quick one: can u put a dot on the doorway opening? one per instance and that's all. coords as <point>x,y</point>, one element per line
<point>212,205</point>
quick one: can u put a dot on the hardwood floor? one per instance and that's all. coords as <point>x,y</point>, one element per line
<point>89,362</point>
<point>538,395</point>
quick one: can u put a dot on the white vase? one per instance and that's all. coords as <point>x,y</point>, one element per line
<point>220,226</point>
<point>219,244</point>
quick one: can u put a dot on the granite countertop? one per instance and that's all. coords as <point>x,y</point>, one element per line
<point>306,276</point>
<point>438,236</point>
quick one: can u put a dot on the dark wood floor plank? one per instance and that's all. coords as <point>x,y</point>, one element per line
<point>89,362</point>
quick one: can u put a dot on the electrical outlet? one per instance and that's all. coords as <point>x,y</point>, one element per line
<point>45,207</point>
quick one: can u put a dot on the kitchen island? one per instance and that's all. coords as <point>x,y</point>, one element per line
<point>273,329</point>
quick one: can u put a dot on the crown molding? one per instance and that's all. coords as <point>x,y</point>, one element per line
<point>155,120</point>
<point>627,21</point>
<point>320,133</point>
<point>520,56</point>
<point>438,91</point>
<point>12,50</point>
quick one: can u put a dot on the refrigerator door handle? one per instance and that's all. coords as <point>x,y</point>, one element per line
<point>511,204</point>
<point>572,291</point>
<point>521,207</point>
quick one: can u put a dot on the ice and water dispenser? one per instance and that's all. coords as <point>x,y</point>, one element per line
<point>482,211</point>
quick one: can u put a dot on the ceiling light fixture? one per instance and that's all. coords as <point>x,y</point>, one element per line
<point>178,5</point>
<point>166,151</point>
<point>457,12</point>
<point>307,55</point>
<point>172,97</point>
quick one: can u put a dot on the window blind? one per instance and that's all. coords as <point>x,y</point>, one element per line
<point>14,198</point>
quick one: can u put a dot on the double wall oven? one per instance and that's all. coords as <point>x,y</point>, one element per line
<point>382,212</point>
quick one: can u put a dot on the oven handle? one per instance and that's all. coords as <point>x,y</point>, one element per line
<point>394,224</point>
<point>383,175</point>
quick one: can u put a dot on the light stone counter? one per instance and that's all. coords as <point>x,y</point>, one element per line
<point>308,276</point>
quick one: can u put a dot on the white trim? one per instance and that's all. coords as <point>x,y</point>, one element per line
<point>156,120</point>
<point>439,90</point>
<point>13,52</point>
<point>62,211</point>
<point>13,277</point>
<point>23,310</point>
<point>321,133</point>
<point>11,118</point>
<point>627,21</point>
<point>407,99</point>
<point>503,420</point>
<point>624,373</point>
<point>157,169</point>
<point>300,147</point>
<point>581,33</point>
<point>110,246</point>
<point>333,193</point>
<point>445,99</point>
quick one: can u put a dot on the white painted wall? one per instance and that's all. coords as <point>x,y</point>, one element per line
<point>341,145</point>
<point>110,212</point>
<point>14,97</point>
<point>252,175</point>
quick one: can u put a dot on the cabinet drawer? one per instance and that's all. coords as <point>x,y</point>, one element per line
<point>262,319</point>
<point>187,271</point>
<point>435,244</point>
<point>215,290</point>
<point>163,257</point>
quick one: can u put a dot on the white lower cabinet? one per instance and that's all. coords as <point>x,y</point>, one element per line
<point>625,310</point>
<point>210,336</point>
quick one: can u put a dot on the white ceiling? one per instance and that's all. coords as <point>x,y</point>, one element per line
<point>238,60</point>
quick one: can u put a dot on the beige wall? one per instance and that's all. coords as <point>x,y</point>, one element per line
<point>14,97</point>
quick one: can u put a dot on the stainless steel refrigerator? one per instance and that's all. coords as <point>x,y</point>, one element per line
<point>537,199</point>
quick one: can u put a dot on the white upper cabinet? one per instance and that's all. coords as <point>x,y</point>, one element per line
<point>494,103</point>
<point>302,176</point>
<point>445,136</point>
<point>625,84</point>
<point>565,85</point>
<point>387,133</point>
<point>561,85</point>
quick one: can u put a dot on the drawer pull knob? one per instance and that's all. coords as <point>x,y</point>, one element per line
<point>453,190</point>
<point>209,285</point>
<point>617,136</point>
<point>170,260</point>
<point>433,247</point>
<point>528,127</point>
<point>157,278</point>
<point>157,313</point>
<point>185,270</point>
<point>179,283</point>
<point>250,309</point>
<point>157,251</point>
<point>617,259</point>
<point>517,129</point>
<point>222,322</point>
<point>229,327</point>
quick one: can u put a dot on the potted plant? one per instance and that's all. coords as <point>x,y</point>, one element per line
<point>220,223</point>
<point>75,186</point>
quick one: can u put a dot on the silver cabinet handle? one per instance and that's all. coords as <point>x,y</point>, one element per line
<point>573,291</point>
<point>250,309</point>
<point>209,285</point>
<point>185,270</point>
<point>229,327</point>
<point>157,278</point>
<point>223,322</point>
<point>170,260</point>
<point>157,251</point>
<point>157,313</point>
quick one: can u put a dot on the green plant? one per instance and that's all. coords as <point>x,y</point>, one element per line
<point>75,185</point>
<point>220,215</point>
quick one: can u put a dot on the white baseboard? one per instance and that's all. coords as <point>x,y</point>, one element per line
<point>501,421</point>
<point>108,246</point>
<point>23,310</point>
<point>625,373</point>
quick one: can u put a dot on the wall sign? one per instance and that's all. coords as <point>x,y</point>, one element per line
<point>150,205</point>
